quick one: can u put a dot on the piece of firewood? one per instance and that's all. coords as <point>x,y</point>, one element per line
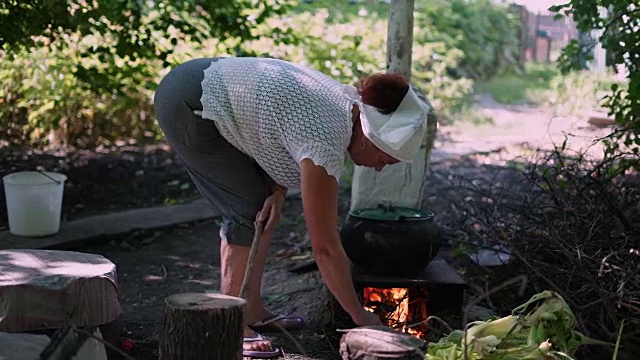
<point>601,119</point>
<point>200,326</point>
<point>304,266</point>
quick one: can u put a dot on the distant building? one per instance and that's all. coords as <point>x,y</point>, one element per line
<point>547,36</point>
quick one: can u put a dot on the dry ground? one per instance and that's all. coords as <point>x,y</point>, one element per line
<point>154,265</point>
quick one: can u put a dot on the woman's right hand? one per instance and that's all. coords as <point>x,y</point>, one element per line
<point>320,203</point>
<point>366,318</point>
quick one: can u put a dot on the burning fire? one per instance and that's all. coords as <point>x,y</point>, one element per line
<point>399,308</point>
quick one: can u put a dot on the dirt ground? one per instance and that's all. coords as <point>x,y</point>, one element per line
<point>106,180</point>
<point>152,266</point>
<point>186,259</point>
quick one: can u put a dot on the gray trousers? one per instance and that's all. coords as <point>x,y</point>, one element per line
<point>231,181</point>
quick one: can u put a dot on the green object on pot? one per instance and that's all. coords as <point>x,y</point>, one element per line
<point>384,213</point>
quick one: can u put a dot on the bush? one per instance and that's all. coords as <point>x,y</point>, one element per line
<point>349,51</point>
<point>95,85</point>
<point>578,92</point>
<point>83,73</point>
<point>46,103</point>
<point>614,24</point>
<point>529,87</point>
<point>569,225</point>
<point>485,33</point>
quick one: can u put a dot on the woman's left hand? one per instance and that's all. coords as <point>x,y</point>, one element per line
<point>271,211</point>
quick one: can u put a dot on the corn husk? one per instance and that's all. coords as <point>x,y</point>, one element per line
<point>542,328</point>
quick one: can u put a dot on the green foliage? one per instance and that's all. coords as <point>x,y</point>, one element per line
<point>615,25</point>
<point>78,67</point>
<point>530,87</point>
<point>342,11</point>
<point>574,93</point>
<point>351,50</point>
<point>134,30</point>
<point>47,101</point>
<point>432,64</point>
<point>485,32</point>
<point>83,72</point>
<point>578,92</point>
<point>346,51</point>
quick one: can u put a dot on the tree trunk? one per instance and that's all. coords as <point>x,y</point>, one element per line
<point>400,37</point>
<point>400,184</point>
<point>37,294</point>
<point>202,327</point>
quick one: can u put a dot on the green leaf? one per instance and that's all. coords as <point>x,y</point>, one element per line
<point>557,8</point>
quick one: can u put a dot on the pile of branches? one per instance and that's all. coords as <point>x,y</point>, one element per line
<point>572,225</point>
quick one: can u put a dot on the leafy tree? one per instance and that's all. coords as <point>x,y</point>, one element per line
<point>618,25</point>
<point>83,71</point>
<point>485,32</point>
<point>134,29</point>
<point>355,46</point>
<point>86,69</point>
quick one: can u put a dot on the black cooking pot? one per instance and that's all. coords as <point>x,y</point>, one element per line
<point>390,241</point>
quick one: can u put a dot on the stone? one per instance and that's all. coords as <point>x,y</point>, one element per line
<point>496,256</point>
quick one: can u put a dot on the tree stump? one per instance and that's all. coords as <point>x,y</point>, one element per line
<point>45,290</point>
<point>199,326</point>
<point>48,289</point>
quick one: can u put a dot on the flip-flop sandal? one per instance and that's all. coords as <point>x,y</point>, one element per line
<point>257,353</point>
<point>270,324</point>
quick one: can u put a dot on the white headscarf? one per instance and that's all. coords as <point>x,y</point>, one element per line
<point>400,133</point>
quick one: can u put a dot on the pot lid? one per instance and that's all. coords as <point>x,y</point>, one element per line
<point>392,213</point>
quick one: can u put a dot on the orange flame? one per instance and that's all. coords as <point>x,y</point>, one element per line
<point>399,308</point>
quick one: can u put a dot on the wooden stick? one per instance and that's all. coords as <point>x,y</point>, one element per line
<point>259,225</point>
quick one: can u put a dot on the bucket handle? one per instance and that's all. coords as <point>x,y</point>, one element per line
<point>54,180</point>
<point>41,172</point>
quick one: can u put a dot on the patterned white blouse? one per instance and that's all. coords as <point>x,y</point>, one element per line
<point>279,113</point>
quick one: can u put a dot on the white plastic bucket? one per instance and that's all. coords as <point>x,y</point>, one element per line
<point>34,202</point>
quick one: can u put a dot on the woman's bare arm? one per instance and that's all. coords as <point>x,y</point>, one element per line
<point>320,202</point>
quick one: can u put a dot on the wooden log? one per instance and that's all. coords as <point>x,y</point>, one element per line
<point>601,119</point>
<point>198,326</point>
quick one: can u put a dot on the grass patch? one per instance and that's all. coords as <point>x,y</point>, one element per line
<point>529,87</point>
<point>467,114</point>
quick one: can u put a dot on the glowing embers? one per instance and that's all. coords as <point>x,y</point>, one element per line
<point>403,309</point>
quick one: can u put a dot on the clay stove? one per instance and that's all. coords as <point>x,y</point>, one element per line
<point>396,269</point>
<point>405,302</point>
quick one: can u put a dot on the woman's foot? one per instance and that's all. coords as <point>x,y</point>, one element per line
<point>264,320</point>
<point>255,345</point>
